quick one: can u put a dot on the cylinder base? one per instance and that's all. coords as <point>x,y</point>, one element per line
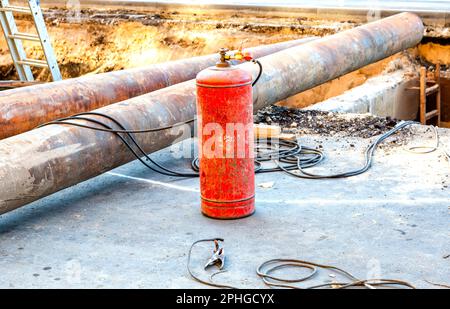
<point>228,211</point>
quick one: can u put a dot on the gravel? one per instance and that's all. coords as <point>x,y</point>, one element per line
<point>326,123</point>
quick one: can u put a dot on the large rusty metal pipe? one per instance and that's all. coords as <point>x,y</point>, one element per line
<point>23,109</point>
<point>43,161</point>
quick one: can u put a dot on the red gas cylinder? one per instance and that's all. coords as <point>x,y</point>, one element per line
<point>225,140</point>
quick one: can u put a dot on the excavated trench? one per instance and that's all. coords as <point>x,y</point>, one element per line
<point>94,41</point>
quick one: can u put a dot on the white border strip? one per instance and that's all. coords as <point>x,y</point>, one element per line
<point>154,182</point>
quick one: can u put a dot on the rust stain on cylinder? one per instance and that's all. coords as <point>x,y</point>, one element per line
<point>46,160</point>
<point>23,109</point>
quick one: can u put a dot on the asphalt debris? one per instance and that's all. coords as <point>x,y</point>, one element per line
<point>325,123</point>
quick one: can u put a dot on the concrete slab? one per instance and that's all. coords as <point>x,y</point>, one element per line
<point>382,95</point>
<point>132,228</point>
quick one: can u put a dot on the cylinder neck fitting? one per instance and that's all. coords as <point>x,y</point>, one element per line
<point>238,55</point>
<point>224,59</point>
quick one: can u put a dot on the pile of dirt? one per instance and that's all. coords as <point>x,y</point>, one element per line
<point>90,41</point>
<point>325,123</point>
<point>201,19</point>
<point>98,41</point>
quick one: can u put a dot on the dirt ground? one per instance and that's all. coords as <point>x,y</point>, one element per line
<point>102,41</point>
<point>96,41</point>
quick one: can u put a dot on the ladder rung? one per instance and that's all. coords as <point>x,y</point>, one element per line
<point>15,40</point>
<point>432,89</point>
<point>17,9</point>
<point>10,84</point>
<point>25,36</point>
<point>33,62</point>
<point>428,90</point>
<point>431,114</point>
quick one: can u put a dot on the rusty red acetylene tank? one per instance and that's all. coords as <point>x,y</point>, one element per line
<point>225,135</point>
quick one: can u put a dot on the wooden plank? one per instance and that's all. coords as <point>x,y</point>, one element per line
<point>432,89</point>
<point>437,78</point>
<point>445,99</point>
<point>266,131</point>
<point>423,99</point>
<point>9,84</point>
<point>287,136</point>
<point>270,131</point>
<point>431,114</point>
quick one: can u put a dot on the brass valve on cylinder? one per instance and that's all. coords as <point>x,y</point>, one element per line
<point>238,55</point>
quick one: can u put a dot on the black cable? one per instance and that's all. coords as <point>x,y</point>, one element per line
<point>57,121</point>
<point>107,128</point>
<point>287,153</point>
<point>289,156</point>
<point>266,269</point>
<point>129,134</point>
<point>370,150</point>
<point>429,149</point>
<point>210,283</point>
<point>426,149</point>
<point>260,72</point>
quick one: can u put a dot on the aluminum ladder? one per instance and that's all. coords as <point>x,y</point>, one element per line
<point>14,40</point>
